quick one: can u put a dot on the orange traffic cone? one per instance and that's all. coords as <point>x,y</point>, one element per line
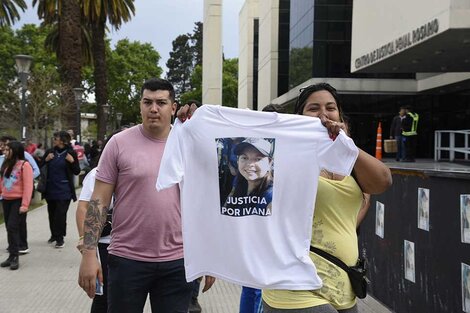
<point>378,146</point>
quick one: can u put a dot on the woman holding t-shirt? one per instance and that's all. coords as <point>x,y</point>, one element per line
<point>338,205</point>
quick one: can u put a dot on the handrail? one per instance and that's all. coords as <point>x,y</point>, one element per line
<point>452,149</point>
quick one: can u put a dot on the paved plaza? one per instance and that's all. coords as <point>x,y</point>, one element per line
<point>46,281</point>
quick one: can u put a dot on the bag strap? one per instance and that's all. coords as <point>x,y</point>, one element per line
<point>330,258</point>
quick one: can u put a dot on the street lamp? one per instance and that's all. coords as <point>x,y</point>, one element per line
<point>78,92</point>
<point>23,64</point>
<point>119,119</point>
<point>106,110</point>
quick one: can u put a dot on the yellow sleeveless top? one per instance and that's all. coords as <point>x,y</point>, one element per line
<point>334,231</point>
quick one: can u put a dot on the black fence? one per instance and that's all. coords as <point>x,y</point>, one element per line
<point>431,279</point>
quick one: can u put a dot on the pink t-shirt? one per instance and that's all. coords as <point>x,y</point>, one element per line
<point>146,223</point>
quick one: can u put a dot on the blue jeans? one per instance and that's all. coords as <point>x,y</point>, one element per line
<point>100,303</point>
<point>250,300</point>
<point>130,281</point>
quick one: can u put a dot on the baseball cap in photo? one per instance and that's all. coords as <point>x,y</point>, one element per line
<point>260,144</point>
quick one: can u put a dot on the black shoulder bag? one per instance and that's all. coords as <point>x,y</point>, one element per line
<point>356,273</point>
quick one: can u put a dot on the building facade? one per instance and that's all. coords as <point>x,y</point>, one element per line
<point>378,55</point>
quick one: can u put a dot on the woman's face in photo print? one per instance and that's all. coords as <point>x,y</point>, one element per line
<point>252,164</point>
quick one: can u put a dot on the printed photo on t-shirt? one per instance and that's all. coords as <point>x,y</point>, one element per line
<point>246,175</point>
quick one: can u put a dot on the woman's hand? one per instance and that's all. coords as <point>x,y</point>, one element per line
<point>23,209</point>
<point>69,158</point>
<point>185,112</point>
<point>49,157</point>
<point>332,126</point>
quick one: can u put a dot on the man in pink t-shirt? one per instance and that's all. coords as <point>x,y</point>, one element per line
<point>146,250</point>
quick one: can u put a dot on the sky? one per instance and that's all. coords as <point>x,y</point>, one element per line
<point>160,22</point>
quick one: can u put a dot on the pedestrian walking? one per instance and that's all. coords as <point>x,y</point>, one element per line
<point>16,187</point>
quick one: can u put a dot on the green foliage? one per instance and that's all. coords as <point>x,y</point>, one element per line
<point>196,40</point>
<point>186,54</point>
<point>180,64</point>
<point>129,65</point>
<point>9,13</point>
<point>43,83</point>
<point>230,83</point>
<point>196,82</point>
<point>300,65</point>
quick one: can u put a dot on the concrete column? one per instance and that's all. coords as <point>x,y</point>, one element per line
<point>268,51</point>
<point>246,18</point>
<point>212,53</point>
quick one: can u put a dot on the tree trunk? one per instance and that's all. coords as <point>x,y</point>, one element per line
<point>100,75</point>
<point>70,58</point>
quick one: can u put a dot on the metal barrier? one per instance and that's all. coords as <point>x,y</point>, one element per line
<point>451,148</point>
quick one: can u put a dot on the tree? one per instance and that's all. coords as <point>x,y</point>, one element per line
<point>229,84</point>
<point>129,65</point>
<point>185,56</point>
<point>196,40</point>
<point>69,53</point>
<point>8,11</point>
<point>43,83</point>
<point>97,12</point>
<point>180,64</point>
<point>196,82</point>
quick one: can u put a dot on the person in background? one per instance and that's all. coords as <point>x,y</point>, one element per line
<point>30,147</point>
<point>61,164</point>
<point>16,188</point>
<point>395,133</point>
<point>410,133</point>
<point>24,246</point>
<point>339,202</point>
<point>38,153</point>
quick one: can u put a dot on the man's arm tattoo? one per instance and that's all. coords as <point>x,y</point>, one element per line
<point>94,222</point>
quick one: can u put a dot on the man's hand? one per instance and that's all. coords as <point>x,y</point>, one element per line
<point>208,282</point>
<point>185,112</point>
<point>90,269</point>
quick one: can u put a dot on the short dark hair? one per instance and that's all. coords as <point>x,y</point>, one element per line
<point>16,153</point>
<point>273,108</point>
<point>6,138</point>
<point>305,92</point>
<point>155,84</point>
<point>63,136</point>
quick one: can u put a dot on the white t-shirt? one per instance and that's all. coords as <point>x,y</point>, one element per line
<point>87,191</point>
<point>259,240</point>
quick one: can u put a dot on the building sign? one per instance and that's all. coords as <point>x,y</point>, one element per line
<point>403,42</point>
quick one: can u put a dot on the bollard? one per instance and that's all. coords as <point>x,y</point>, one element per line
<point>378,146</point>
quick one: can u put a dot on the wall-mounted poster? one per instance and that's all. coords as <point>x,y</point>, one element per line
<point>465,287</point>
<point>379,219</point>
<point>409,252</point>
<point>465,218</point>
<point>423,208</point>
